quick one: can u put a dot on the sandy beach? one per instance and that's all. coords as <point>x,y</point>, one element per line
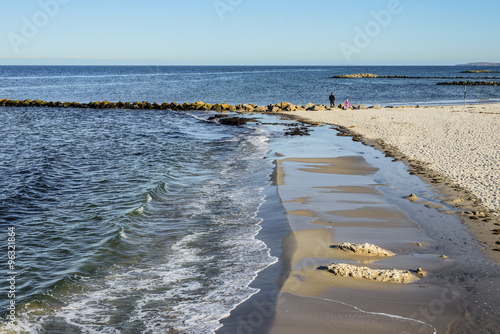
<point>330,201</point>
<point>339,196</point>
<point>457,148</point>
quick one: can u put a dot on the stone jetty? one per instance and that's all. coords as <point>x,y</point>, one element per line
<point>199,105</point>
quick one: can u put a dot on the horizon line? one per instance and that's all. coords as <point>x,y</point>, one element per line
<point>234,65</point>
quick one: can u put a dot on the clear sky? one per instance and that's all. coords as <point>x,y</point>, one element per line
<point>248,32</point>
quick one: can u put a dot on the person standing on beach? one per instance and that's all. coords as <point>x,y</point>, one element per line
<point>346,104</point>
<point>332,101</point>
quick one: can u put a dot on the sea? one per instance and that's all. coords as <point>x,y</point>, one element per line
<point>150,221</point>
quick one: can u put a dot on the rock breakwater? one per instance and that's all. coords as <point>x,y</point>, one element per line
<point>371,75</point>
<point>144,105</point>
<point>470,83</point>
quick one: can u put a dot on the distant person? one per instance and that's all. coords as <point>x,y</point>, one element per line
<point>332,101</point>
<point>346,104</point>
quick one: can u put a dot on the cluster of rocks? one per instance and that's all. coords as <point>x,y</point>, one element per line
<point>226,120</point>
<point>297,130</point>
<point>480,71</point>
<point>287,106</point>
<point>362,249</point>
<point>371,75</point>
<point>356,76</point>
<point>478,215</point>
<point>471,83</point>
<point>380,275</point>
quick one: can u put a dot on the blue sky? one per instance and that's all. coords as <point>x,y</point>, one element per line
<point>260,32</point>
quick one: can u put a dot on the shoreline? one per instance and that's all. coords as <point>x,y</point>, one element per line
<point>397,132</point>
<point>482,219</point>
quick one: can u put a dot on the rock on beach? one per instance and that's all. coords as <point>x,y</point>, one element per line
<point>362,249</point>
<point>379,275</point>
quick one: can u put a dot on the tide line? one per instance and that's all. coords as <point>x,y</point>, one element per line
<point>372,313</point>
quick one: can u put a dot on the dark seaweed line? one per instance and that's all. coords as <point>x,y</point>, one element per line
<point>409,77</point>
<point>471,83</point>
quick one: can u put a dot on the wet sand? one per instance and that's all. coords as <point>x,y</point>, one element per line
<point>317,301</point>
<point>455,148</point>
<point>348,199</point>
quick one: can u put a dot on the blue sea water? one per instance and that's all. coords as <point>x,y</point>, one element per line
<point>143,213</point>
<point>240,84</point>
<point>146,221</point>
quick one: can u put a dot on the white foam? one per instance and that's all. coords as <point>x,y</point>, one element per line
<point>139,210</point>
<point>122,234</point>
<point>91,309</point>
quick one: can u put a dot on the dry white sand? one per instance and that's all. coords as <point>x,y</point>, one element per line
<point>461,143</point>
